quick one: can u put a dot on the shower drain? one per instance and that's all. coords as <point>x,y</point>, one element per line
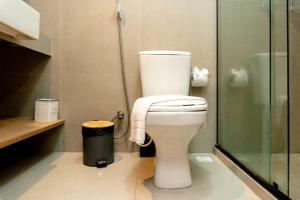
<point>203,159</point>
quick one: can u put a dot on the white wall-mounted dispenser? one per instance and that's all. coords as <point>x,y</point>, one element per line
<point>200,77</point>
<point>19,20</point>
<point>238,77</point>
<point>46,110</point>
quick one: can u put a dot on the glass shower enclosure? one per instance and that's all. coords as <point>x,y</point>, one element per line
<point>257,90</point>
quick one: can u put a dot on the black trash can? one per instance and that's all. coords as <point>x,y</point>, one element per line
<point>98,143</point>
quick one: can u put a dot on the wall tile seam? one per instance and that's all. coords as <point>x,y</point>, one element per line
<point>62,134</point>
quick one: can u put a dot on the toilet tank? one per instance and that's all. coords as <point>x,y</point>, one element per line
<point>165,72</point>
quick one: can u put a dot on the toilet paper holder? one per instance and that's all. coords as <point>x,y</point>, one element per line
<point>199,77</point>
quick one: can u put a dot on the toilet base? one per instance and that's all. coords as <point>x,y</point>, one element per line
<point>172,133</point>
<point>172,172</point>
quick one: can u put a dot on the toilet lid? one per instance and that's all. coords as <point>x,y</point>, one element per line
<point>180,106</point>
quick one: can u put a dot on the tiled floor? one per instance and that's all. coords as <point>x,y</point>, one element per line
<point>63,176</point>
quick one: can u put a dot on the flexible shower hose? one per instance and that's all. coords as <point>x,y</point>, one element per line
<point>125,88</point>
<point>120,18</point>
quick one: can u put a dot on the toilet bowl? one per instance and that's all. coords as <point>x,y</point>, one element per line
<point>171,124</point>
<point>172,128</point>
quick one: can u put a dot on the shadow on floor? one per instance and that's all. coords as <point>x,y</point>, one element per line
<point>211,181</point>
<point>21,169</point>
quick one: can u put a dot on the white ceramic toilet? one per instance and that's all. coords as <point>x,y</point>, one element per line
<point>172,124</point>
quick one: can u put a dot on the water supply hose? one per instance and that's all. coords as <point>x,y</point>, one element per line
<point>145,145</point>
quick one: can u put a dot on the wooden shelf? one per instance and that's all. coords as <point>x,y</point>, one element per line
<point>42,45</point>
<point>13,130</point>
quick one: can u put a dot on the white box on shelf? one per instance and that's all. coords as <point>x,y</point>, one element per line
<point>46,110</point>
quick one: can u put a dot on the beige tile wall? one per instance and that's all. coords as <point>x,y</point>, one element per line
<point>91,73</point>
<point>91,56</point>
<point>85,67</point>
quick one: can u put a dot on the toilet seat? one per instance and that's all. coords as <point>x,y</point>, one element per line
<point>180,106</point>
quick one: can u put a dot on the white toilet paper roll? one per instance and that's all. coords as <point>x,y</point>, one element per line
<point>200,77</point>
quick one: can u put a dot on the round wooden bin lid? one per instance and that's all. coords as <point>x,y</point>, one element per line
<point>97,124</point>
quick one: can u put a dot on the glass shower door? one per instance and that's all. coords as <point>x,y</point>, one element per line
<point>279,95</point>
<point>244,76</point>
<point>253,86</point>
